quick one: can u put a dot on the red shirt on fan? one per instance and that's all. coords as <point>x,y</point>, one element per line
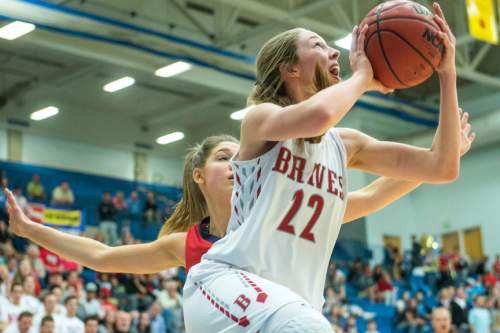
<point>490,280</point>
<point>496,266</point>
<point>198,242</point>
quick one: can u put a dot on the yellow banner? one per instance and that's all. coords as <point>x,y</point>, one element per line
<point>62,218</point>
<point>482,21</point>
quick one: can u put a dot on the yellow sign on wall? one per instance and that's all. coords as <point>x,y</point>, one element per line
<point>62,218</point>
<point>482,21</point>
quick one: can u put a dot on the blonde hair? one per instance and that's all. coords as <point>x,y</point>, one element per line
<point>192,208</point>
<point>269,86</point>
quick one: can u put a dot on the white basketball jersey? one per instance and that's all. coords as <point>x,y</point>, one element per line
<point>287,210</point>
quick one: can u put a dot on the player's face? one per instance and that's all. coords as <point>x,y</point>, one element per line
<point>217,173</point>
<point>313,52</point>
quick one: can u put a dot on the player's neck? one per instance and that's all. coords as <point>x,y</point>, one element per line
<point>219,217</point>
<point>297,91</point>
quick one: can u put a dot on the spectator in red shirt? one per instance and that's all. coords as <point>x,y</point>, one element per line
<point>496,266</point>
<point>107,304</point>
<point>385,289</point>
<point>489,280</point>
<point>119,201</point>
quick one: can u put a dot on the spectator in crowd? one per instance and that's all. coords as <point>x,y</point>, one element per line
<point>389,258</point>
<point>143,323</point>
<point>481,266</point>
<point>90,305</point>
<point>134,206</point>
<point>416,249</point>
<point>171,302</point>
<point>33,253</point>
<point>126,237</point>
<point>47,309</point>
<point>123,323</point>
<point>70,323</point>
<point>459,311</point>
<point>35,189</point>
<point>168,210</point>
<point>411,321</point>
<point>29,300</point>
<point>371,327</point>
<point>398,264</point>
<point>74,281</point>
<point>479,316</point>
<point>119,202</point>
<point>20,198</point>
<point>121,210</point>
<point>23,271</point>
<point>107,304</point>
<point>5,234</point>
<point>57,290</point>
<point>377,273</point>
<point>4,183</point>
<point>62,195</point>
<point>4,281</point>
<point>336,280</point>
<point>445,277</point>
<point>489,280</point>
<point>330,300</point>
<point>444,297</point>
<point>355,270</point>
<point>150,210</point>
<point>23,324</point>
<point>422,309</point>
<point>350,326</point>
<point>139,298</point>
<point>461,269</point>
<point>47,325</point>
<point>385,290</point>
<point>496,316</point>
<point>91,324</point>
<point>109,322</point>
<point>156,319</point>
<point>107,219</point>
<point>496,266</point>
<point>441,321</point>
<point>336,317</point>
<point>12,306</point>
<point>365,283</point>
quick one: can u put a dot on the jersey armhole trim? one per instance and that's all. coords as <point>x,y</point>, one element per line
<point>235,161</point>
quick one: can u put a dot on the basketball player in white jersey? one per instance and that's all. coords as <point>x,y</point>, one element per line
<point>290,187</point>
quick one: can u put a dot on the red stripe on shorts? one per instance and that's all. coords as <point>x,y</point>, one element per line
<point>243,321</point>
<point>261,295</point>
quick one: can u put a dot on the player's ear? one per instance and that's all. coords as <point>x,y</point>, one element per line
<point>198,176</point>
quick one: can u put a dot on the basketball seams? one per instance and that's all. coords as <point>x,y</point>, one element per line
<point>411,18</point>
<point>383,50</point>
<point>411,45</point>
<point>389,8</point>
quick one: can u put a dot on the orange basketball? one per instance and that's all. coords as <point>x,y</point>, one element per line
<point>402,43</point>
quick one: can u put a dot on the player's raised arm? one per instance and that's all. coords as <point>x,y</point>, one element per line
<point>384,190</point>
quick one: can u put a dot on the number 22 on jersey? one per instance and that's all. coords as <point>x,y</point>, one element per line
<point>315,202</point>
